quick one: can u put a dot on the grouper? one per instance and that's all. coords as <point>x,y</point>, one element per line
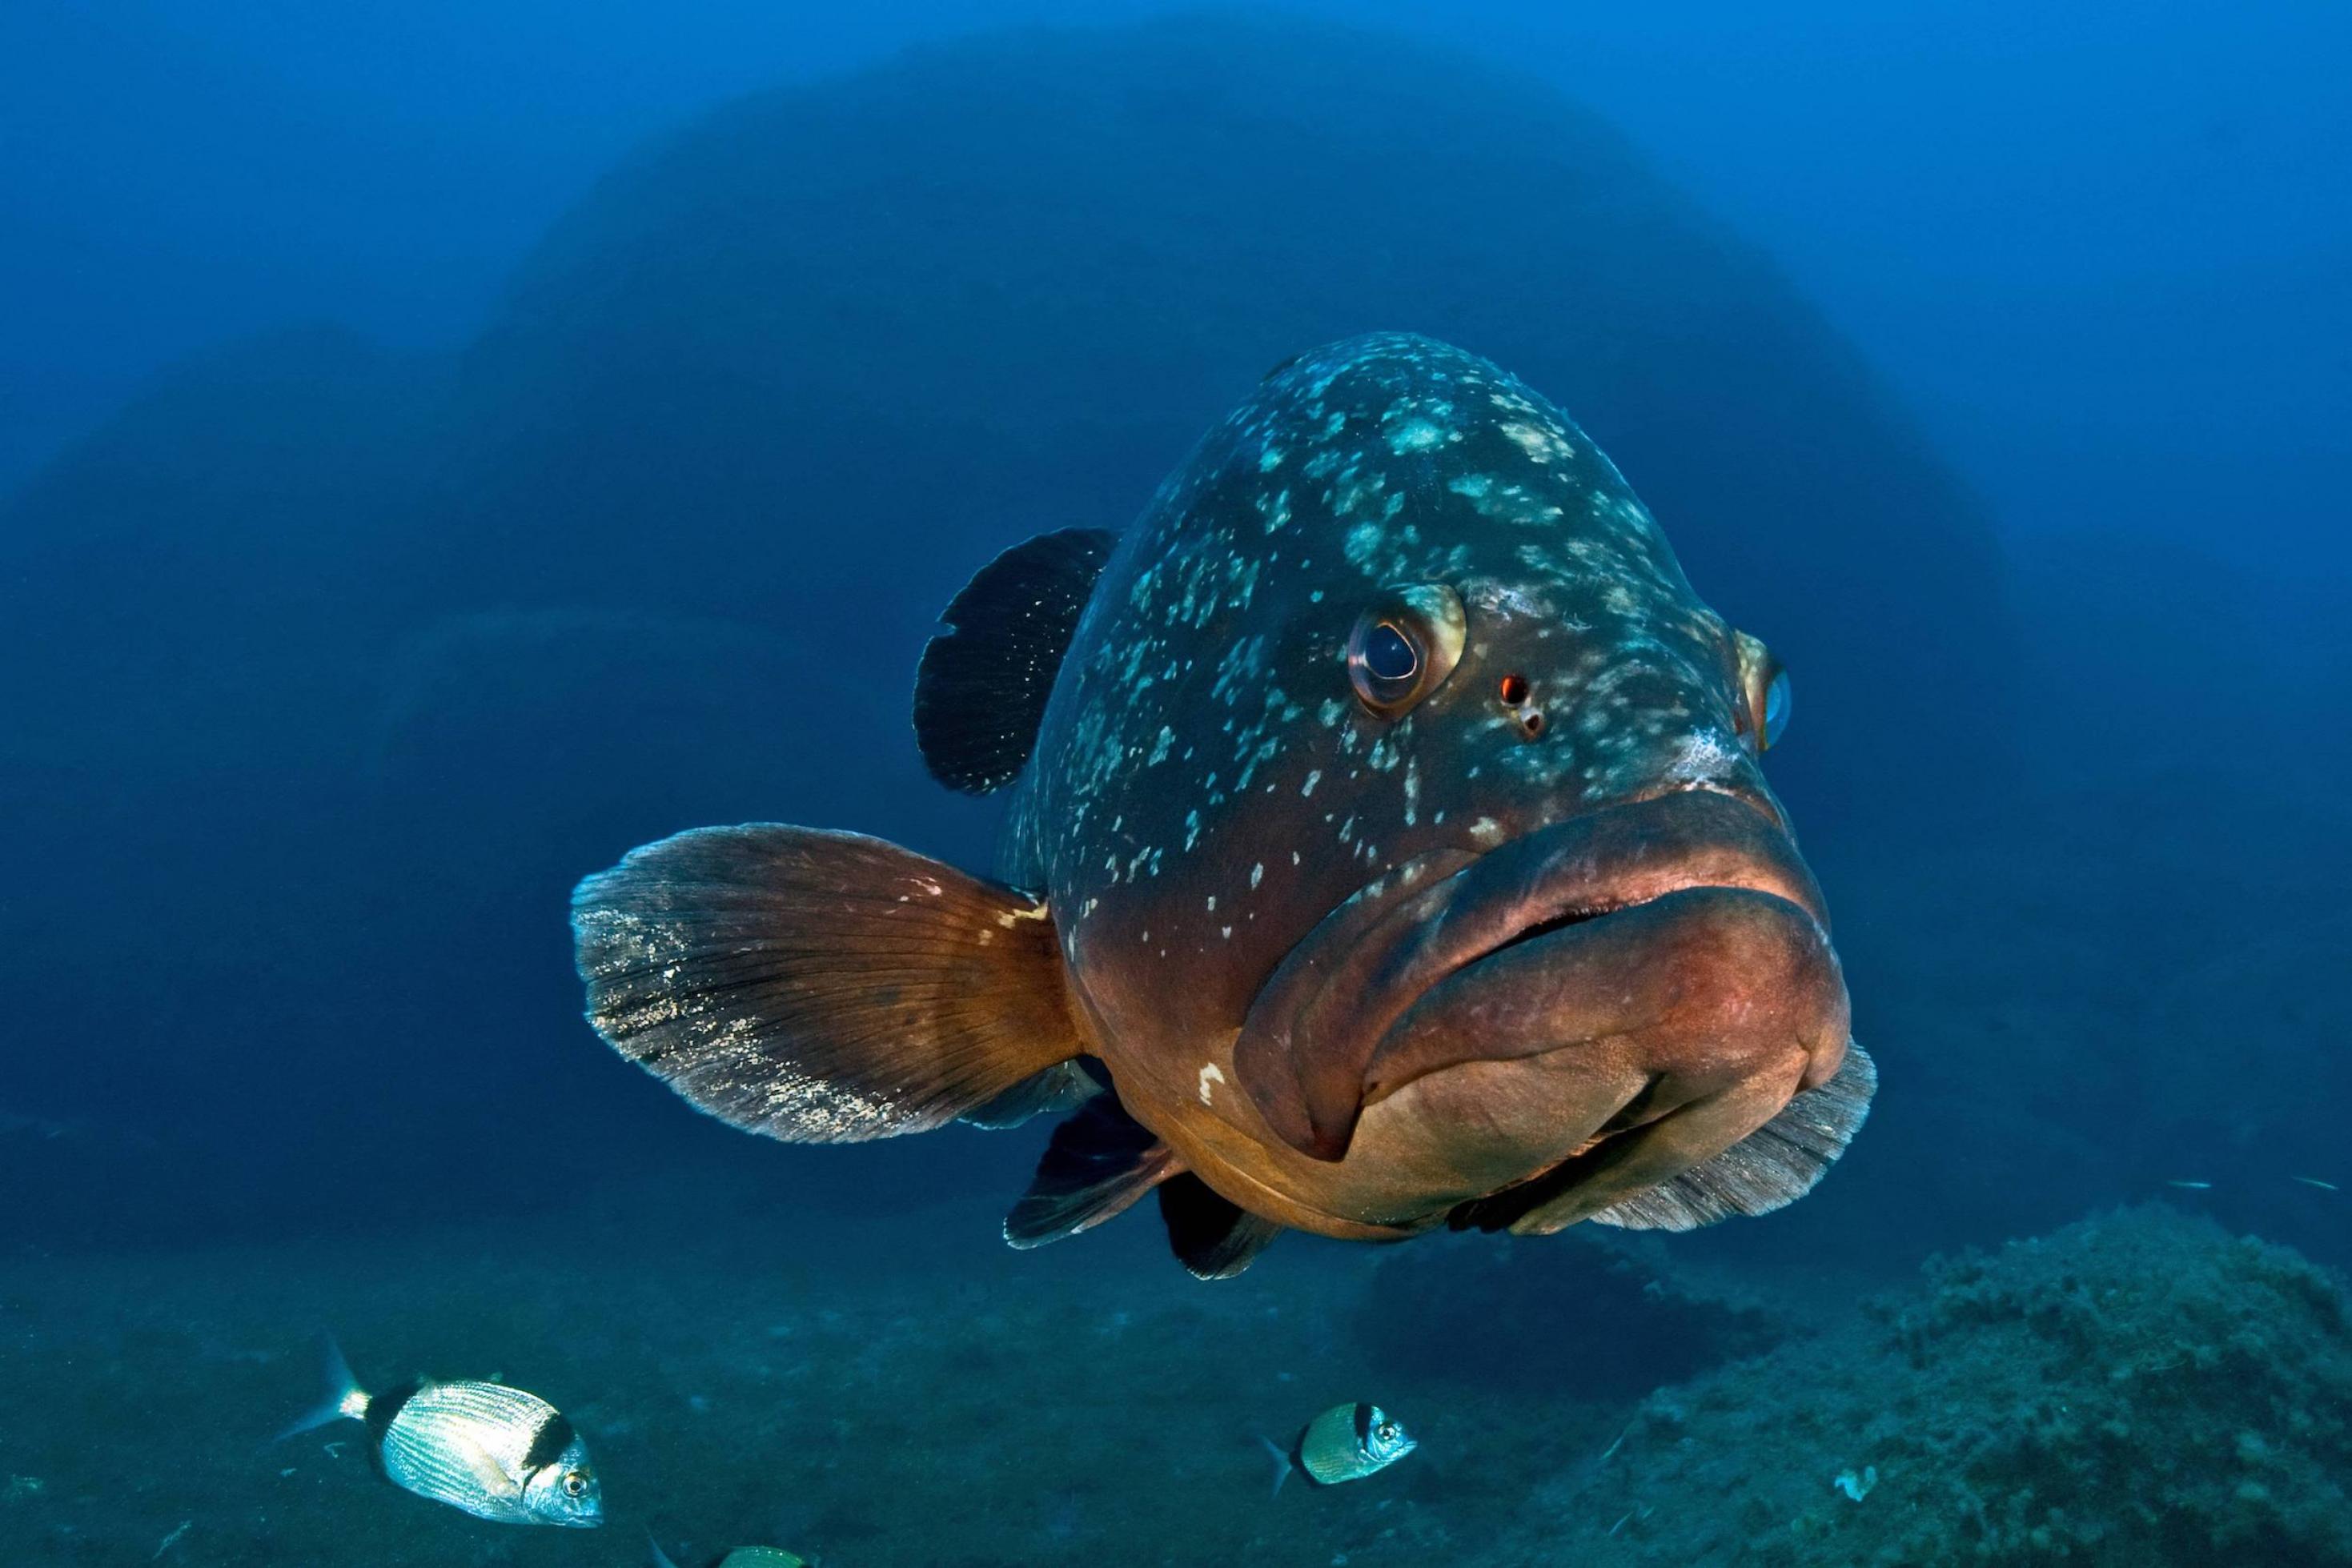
<point>1386,848</point>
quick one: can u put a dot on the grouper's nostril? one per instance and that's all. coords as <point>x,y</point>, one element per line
<point>1516,696</point>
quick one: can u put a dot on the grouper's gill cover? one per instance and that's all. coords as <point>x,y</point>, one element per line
<point>1391,846</point>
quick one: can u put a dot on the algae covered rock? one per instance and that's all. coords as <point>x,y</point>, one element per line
<point>2139,1388</point>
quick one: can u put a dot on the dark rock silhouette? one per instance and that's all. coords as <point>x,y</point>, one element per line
<point>1003,286</point>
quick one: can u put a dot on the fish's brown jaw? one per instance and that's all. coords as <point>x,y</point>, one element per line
<point>1695,1018</point>
<point>1682,931</point>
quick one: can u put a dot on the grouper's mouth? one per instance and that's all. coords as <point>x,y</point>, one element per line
<point>1681,938</point>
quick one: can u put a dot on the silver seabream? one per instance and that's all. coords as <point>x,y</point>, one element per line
<point>1346,1443</point>
<point>498,1453</point>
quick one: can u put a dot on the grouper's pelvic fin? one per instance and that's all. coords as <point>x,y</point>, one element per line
<point>821,987</point>
<point>981,688</point>
<point>1062,1087</point>
<point>1213,1238</point>
<point>1098,1164</point>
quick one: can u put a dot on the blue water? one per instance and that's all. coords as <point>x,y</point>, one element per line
<point>443,446</point>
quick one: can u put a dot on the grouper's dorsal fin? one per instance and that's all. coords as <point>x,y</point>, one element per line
<point>980,691</point>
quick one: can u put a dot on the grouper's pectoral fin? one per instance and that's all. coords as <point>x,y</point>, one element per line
<point>820,987</point>
<point>1097,1165</point>
<point>1769,1169</point>
<point>982,689</point>
<point>1212,1238</point>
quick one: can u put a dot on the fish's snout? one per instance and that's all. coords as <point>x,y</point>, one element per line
<point>1691,993</point>
<point>1687,919</point>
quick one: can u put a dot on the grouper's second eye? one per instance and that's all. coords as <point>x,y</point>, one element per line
<point>1404,647</point>
<point>1776,707</point>
<point>1764,693</point>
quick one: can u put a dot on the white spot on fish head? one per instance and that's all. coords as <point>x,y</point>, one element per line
<point>1414,436</point>
<point>1537,442</point>
<point>1707,757</point>
<point>1495,600</point>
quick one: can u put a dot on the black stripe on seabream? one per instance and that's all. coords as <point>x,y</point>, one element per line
<point>1363,1428</point>
<point>384,1408</point>
<point>547,1444</point>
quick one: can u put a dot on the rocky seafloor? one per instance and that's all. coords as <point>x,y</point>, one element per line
<point>2140,1388</point>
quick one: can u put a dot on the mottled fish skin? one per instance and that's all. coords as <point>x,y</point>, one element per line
<point>1205,788</point>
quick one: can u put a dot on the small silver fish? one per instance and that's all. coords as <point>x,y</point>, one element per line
<point>496,1453</point>
<point>2191,1185</point>
<point>2322,1185</point>
<point>1346,1443</point>
<point>742,1557</point>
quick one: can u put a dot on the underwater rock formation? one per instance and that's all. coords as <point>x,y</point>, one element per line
<point>2139,1388</point>
<point>1003,285</point>
<point>796,372</point>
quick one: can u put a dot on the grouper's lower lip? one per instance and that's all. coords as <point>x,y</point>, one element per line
<point>1675,921</point>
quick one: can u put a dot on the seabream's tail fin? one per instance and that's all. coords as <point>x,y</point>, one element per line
<point>1283,1464</point>
<point>343,1398</point>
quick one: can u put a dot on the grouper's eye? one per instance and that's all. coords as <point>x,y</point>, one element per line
<point>1405,645</point>
<point>1763,692</point>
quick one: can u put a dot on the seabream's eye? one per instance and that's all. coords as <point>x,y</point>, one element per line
<point>1405,645</point>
